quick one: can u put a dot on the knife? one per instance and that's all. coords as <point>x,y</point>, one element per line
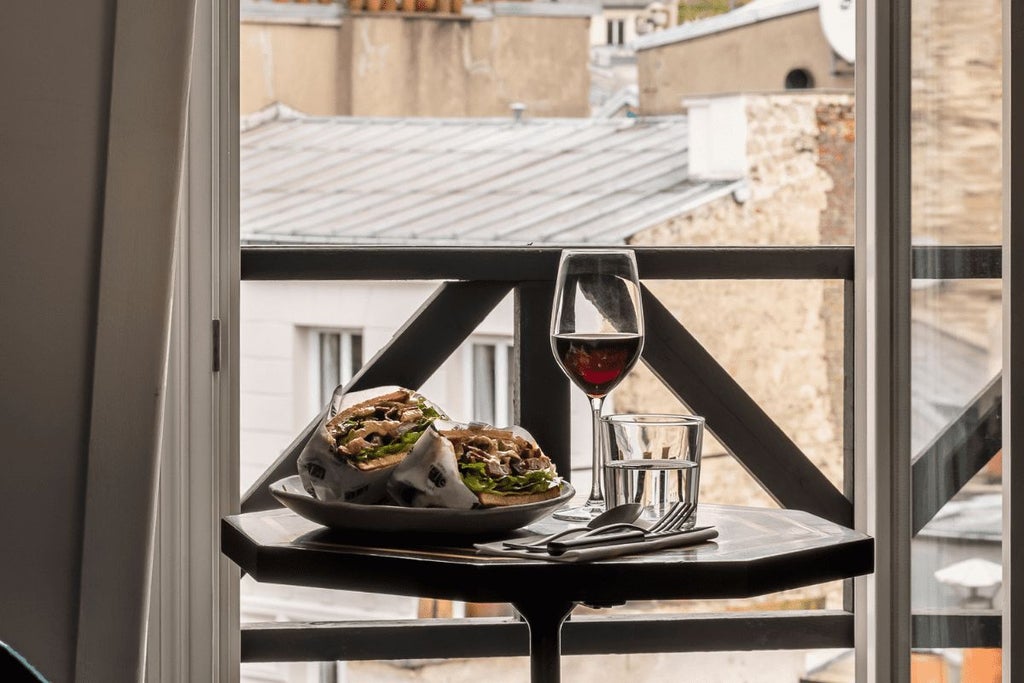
<point>627,536</point>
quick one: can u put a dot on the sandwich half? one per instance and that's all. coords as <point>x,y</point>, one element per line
<point>503,468</point>
<point>461,468</point>
<point>380,432</point>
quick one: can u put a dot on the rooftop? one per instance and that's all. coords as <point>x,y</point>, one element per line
<point>751,13</point>
<point>414,181</point>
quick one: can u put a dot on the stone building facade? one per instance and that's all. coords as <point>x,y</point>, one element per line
<point>781,340</point>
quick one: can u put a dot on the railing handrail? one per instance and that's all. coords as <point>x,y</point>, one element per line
<point>530,263</point>
<point>526,263</point>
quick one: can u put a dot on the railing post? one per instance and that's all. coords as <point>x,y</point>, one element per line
<point>541,396</point>
<point>849,413</point>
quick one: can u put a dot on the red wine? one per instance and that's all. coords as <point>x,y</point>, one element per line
<point>597,362</point>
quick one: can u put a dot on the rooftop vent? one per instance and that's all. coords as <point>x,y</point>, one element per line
<point>717,129</point>
<point>517,111</point>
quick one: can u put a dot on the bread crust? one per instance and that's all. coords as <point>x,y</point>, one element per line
<point>399,395</point>
<point>498,500</point>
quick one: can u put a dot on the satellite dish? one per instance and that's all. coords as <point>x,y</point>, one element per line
<point>839,24</point>
<point>654,17</point>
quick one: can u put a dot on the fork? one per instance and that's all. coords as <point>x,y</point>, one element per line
<point>673,520</point>
<point>670,523</point>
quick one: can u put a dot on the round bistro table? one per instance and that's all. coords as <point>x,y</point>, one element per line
<point>758,551</point>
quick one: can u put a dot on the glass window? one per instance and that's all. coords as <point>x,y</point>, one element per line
<point>955,327</point>
<point>340,355</point>
<point>491,389</point>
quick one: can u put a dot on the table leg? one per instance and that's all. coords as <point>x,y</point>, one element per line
<point>544,620</point>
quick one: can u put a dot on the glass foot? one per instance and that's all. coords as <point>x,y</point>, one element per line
<point>581,513</point>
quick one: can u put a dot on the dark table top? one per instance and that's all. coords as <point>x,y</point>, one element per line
<point>758,551</point>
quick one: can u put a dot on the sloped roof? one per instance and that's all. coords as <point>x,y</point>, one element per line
<point>751,13</point>
<point>433,181</point>
<point>946,371</point>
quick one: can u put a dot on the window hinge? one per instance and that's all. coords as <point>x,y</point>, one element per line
<point>216,345</point>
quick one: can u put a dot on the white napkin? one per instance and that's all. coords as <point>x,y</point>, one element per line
<point>602,552</point>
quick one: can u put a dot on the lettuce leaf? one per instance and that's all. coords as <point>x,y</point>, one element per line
<point>475,477</point>
<point>398,445</point>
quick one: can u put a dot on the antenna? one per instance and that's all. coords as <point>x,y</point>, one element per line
<point>839,24</point>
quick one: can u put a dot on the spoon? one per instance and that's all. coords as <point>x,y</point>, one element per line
<point>612,518</point>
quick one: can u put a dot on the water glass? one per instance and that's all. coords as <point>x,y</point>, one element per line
<point>653,460</point>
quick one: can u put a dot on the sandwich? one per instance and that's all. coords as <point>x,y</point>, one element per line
<point>465,468</point>
<point>503,468</point>
<point>380,432</point>
<point>353,451</point>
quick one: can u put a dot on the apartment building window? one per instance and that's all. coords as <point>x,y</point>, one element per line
<point>491,389</point>
<point>616,31</point>
<point>338,356</point>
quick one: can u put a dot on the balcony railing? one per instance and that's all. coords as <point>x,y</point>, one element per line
<point>474,280</point>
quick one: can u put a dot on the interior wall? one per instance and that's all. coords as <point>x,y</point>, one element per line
<point>55,66</point>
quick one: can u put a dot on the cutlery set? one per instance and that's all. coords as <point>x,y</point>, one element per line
<point>608,530</point>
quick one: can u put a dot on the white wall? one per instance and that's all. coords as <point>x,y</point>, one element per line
<point>275,376</point>
<point>55,70</point>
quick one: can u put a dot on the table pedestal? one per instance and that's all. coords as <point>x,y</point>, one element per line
<point>545,619</point>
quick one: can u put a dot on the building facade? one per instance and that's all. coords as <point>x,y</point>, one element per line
<point>332,63</point>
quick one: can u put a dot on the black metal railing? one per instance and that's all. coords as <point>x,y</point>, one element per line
<point>474,280</point>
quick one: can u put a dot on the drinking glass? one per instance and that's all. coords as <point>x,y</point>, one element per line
<point>597,334</point>
<point>653,460</point>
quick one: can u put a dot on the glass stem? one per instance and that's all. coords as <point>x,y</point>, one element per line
<point>596,496</point>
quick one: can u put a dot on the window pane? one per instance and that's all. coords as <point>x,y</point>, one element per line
<point>483,383</point>
<point>330,368</point>
<point>956,186</point>
<point>357,353</point>
<point>510,384</point>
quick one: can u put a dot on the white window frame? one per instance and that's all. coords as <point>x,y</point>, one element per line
<point>193,622</point>
<point>615,31</point>
<point>503,352</point>
<point>883,240</point>
<point>316,401</point>
<point>882,348</point>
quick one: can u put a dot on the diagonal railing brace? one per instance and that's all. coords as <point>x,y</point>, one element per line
<point>753,438</point>
<point>957,453</point>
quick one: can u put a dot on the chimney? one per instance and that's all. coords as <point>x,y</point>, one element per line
<point>517,111</point>
<point>717,130</point>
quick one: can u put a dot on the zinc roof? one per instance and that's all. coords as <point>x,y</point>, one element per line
<point>312,179</point>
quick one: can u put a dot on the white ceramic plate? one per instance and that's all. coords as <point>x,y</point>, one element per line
<point>395,519</point>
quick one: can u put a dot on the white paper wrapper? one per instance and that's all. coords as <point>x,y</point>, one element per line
<point>328,476</point>
<point>429,475</point>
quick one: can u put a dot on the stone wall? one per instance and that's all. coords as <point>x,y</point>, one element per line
<point>956,104</point>
<point>751,58</point>
<point>390,64</point>
<point>956,171</point>
<point>781,340</point>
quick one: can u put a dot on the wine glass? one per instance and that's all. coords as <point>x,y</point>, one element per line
<point>597,334</point>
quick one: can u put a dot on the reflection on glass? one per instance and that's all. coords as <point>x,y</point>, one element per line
<point>956,189</point>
